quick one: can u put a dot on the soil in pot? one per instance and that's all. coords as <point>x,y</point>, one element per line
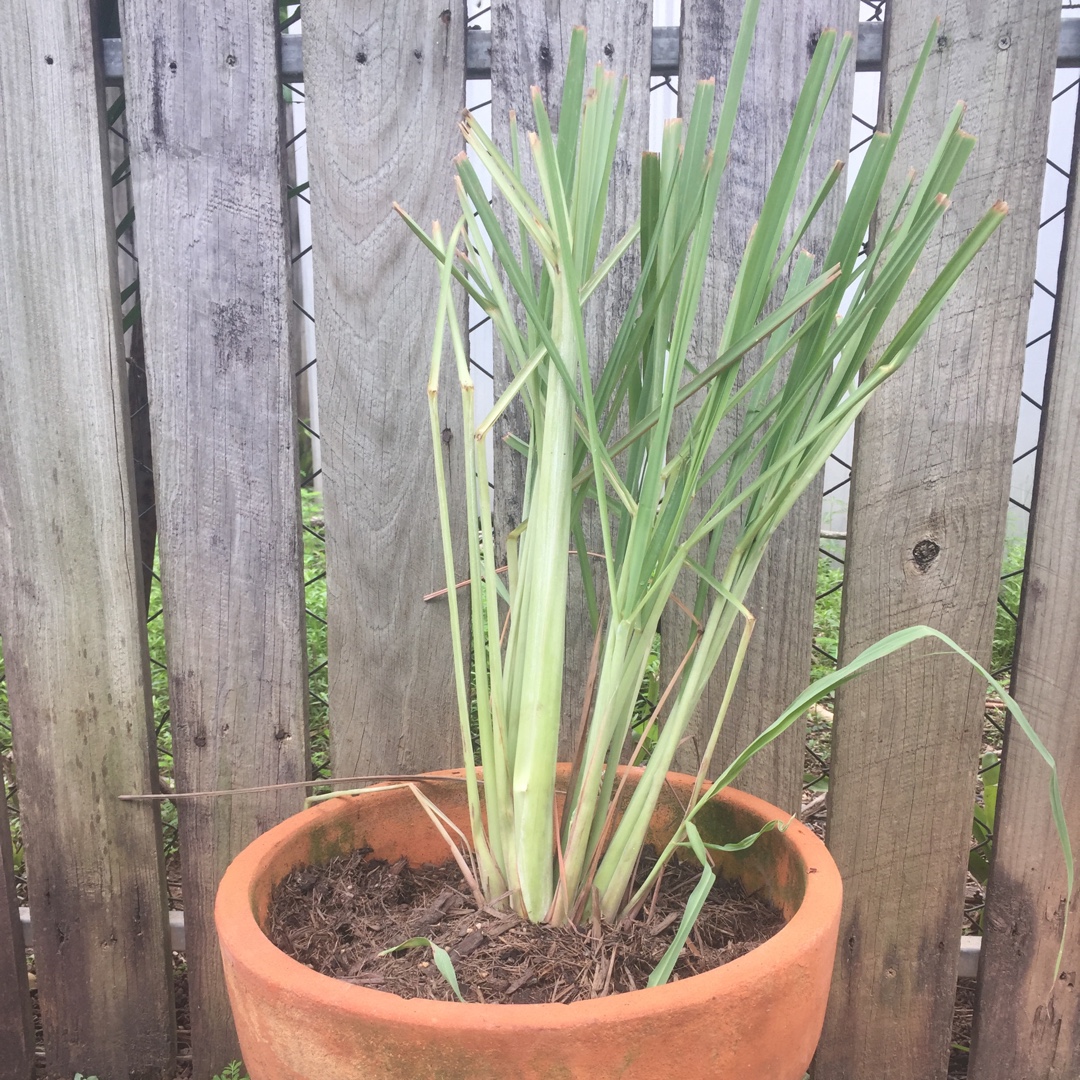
<point>336,918</point>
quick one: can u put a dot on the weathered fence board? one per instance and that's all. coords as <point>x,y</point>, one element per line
<point>778,662</point>
<point>16,1021</point>
<point>204,106</point>
<point>531,45</point>
<point>70,599</point>
<point>384,92</point>
<point>1028,1024</point>
<point>926,528</point>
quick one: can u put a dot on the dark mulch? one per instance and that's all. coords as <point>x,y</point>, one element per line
<point>183,1017</point>
<point>337,918</point>
<point>963,1014</point>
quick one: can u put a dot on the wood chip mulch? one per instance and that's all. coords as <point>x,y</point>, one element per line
<point>963,1015</point>
<point>337,918</point>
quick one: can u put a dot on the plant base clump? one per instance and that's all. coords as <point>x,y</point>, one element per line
<point>338,918</point>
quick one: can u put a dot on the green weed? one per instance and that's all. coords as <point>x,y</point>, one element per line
<point>315,604</point>
<point>230,1072</point>
<point>647,700</point>
<point>1012,578</point>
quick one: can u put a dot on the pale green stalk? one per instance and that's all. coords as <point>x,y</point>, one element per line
<point>543,589</point>
<point>491,876</point>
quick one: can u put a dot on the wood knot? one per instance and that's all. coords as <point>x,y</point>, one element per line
<point>923,554</point>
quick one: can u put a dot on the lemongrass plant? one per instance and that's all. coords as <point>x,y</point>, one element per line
<point>604,433</point>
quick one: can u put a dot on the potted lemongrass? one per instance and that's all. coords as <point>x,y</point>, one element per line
<point>560,843</point>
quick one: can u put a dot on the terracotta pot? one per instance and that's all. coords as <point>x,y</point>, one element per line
<point>756,1018</point>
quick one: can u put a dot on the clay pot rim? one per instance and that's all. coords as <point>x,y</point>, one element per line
<point>243,939</point>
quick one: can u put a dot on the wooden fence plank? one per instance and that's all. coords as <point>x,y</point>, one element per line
<point>70,610</point>
<point>926,528</point>
<point>778,662</point>
<point>1028,1025</point>
<point>204,105</point>
<point>529,48</point>
<point>384,88</point>
<point>16,1019</point>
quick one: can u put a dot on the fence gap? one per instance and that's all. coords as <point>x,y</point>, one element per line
<point>926,526</point>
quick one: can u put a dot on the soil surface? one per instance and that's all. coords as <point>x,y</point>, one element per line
<point>337,919</point>
<point>963,1013</point>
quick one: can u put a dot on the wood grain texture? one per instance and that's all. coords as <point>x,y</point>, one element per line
<point>1028,1024</point>
<point>777,665</point>
<point>204,119</point>
<point>530,47</point>
<point>16,1018</point>
<point>926,527</point>
<point>70,612</point>
<point>385,86</point>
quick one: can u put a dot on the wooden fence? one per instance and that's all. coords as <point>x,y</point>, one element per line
<point>384,86</point>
